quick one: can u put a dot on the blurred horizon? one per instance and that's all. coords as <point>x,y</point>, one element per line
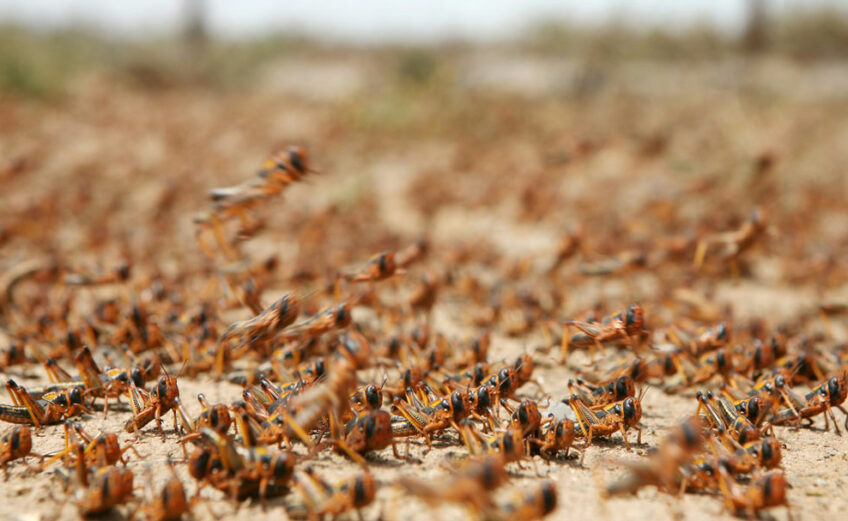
<point>533,46</point>
<point>388,21</point>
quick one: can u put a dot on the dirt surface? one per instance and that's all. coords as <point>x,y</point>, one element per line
<point>494,164</point>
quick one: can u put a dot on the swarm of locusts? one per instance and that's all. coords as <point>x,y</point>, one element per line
<point>351,362</point>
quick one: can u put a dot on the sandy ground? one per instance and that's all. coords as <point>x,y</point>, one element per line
<point>814,461</point>
<point>105,133</point>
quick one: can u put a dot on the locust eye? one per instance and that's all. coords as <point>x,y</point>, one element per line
<point>483,397</point>
<point>162,387</point>
<point>630,318</point>
<point>833,388</point>
<point>137,377</point>
<point>754,409</point>
<point>721,333</point>
<point>75,395</point>
<point>629,408</point>
<point>199,464</point>
<point>372,396</point>
<point>341,315</point>
<point>214,419</point>
<point>522,414</point>
<point>508,444</point>
<point>297,160</point>
<point>518,363</point>
<point>370,426</point>
<point>15,440</point>
<point>767,452</point>
<point>502,382</point>
<point>621,387</point>
<point>456,401</point>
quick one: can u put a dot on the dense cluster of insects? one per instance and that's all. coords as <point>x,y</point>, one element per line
<point>351,362</point>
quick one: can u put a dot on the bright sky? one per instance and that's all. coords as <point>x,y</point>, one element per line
<point>376,20</point>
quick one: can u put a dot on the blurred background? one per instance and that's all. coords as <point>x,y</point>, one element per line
<point>46,42</point>
<point>437,117</point>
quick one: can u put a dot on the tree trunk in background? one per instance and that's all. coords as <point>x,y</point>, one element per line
<point>755,39</point>
<point>194,30</point>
